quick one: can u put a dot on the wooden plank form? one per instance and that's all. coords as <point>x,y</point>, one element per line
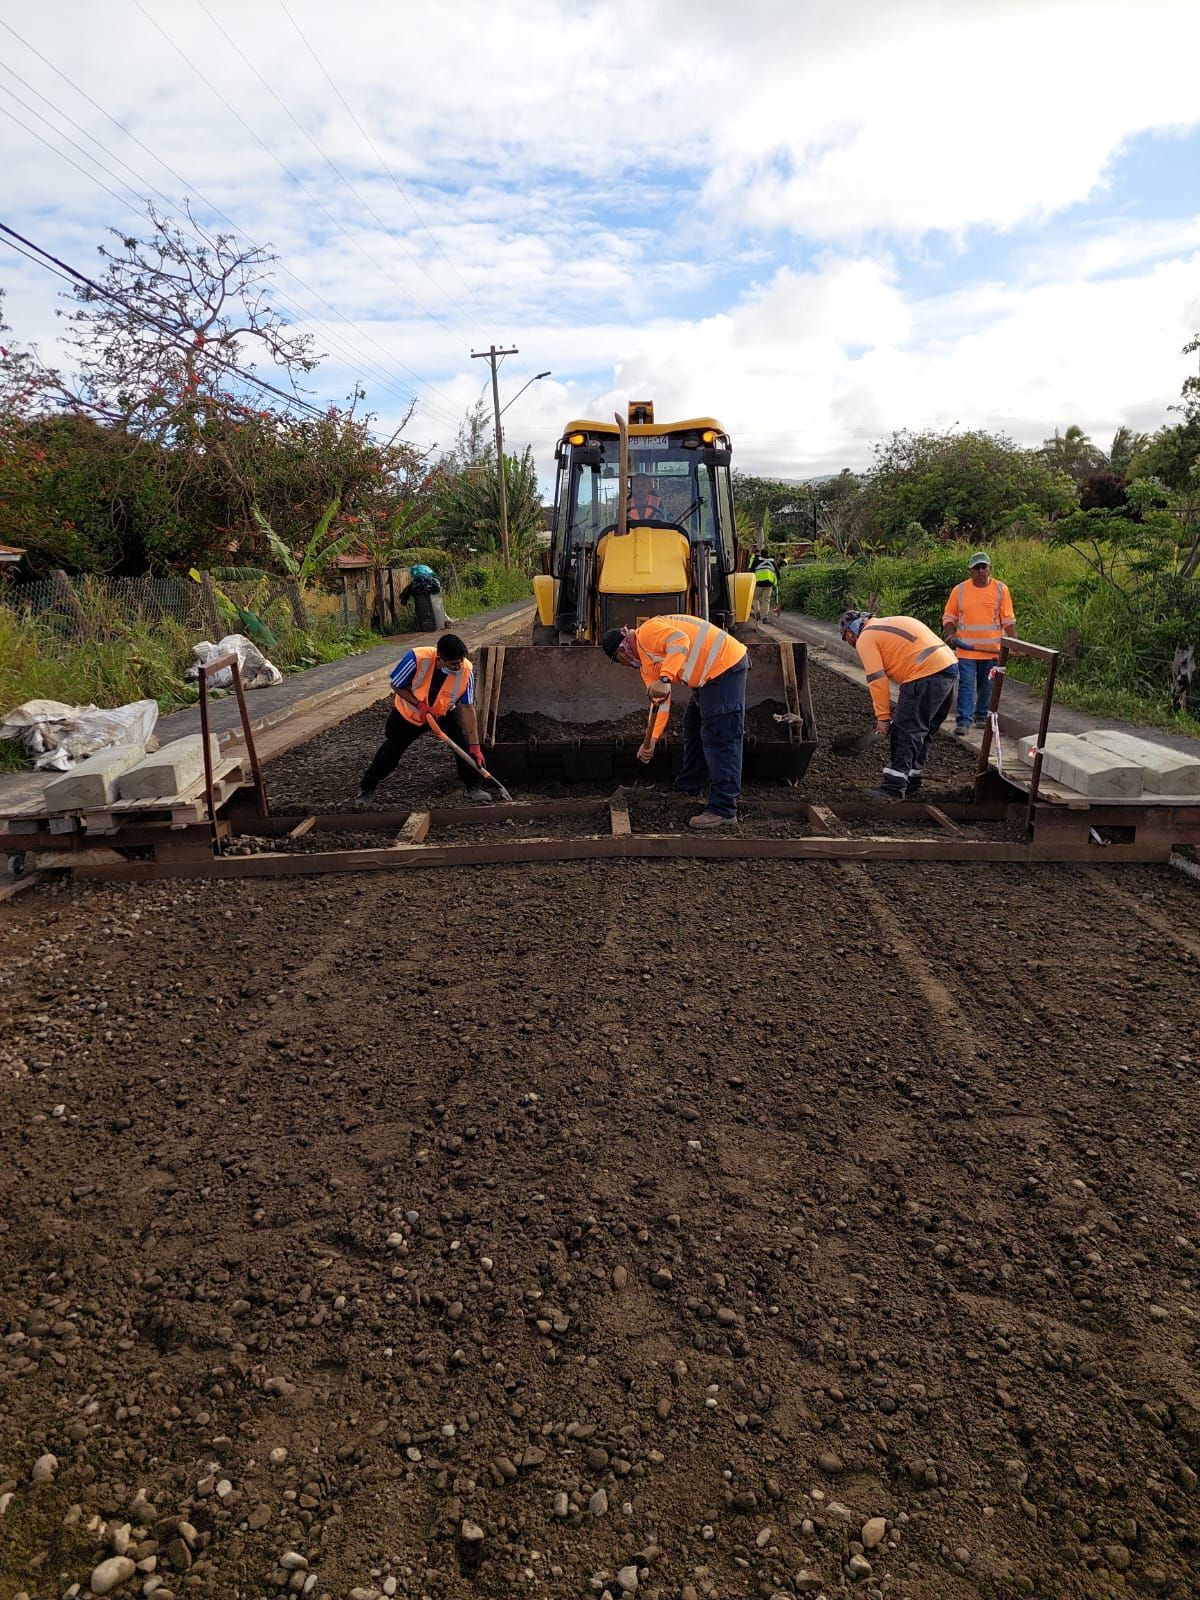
<point>647,846</point>
<point>412,834</point>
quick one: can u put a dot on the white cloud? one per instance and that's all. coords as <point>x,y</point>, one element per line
<point>799,400</point>
<point>738,210</point>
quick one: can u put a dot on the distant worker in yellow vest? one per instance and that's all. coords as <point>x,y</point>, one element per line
<point>711,662</point>
<point>429,681</point>
<point>766,585</point>
<point>645,503</point>
<point>904,651</point>
<point>978,614</point>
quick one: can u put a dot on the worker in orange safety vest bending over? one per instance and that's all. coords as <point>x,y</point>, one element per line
<point>978,614</point>
<point>904,651</point>
<point>429,681</point>
<point>711,662</point>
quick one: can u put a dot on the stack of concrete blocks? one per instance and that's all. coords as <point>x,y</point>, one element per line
<point>1164,771</point>
<point>1104,764</point>
<point>92,783</point>
<point>170,771</point>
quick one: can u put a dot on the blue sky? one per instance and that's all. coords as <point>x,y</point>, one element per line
<point>819,224</point>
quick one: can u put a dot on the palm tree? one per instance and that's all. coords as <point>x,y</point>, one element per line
<point>1073,452</point>
<point>1125,446</point>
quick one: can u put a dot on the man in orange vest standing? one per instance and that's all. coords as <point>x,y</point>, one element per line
<point>429,681</point>
<point>904,651</point>
<point>711,662</point>
<point>978,614</point>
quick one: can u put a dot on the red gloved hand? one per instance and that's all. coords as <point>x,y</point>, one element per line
<point>475,751</point>
<point>423,712</point>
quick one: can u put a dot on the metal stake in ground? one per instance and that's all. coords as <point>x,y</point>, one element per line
<point>474,765</point>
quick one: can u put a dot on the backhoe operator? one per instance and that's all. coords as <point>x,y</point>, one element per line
<point>645,503</point>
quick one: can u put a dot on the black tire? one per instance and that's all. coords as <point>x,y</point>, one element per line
<point>544,635</point>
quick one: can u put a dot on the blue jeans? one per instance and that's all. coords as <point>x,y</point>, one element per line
<point>974,690</point>
<point>713,725</point>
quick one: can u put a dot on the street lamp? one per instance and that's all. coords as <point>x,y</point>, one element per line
<point>500,410</point>
<point>522,389</point>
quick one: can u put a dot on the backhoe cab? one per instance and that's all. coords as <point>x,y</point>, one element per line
<point>643,527</point>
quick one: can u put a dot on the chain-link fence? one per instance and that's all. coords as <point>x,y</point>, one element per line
<point>103,607</point>
<point>97,607</point>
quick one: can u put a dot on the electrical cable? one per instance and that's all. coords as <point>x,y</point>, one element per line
<point>337,171</point>
<point>288,173</point>
<point>379,157</point>
<point>53,261</point>
<point>381,378</point>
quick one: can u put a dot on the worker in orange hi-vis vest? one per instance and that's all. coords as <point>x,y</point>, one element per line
<point>645,502</point>
<point>904,651</point>
<point>435,681</point>
<point>978,614</point>
<point>713,664</point>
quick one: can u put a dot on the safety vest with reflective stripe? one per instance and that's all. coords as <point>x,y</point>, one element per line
<point>684,650</point>
<point>454,685</point>
<point>902,649</point>
<point>978,613</point>
<point>650,511</point>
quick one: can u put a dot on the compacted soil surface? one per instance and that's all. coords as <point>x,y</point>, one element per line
<point>666,1229</point>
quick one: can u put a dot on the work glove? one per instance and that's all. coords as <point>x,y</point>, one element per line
<point>422,711</point>
<point>475,751</point>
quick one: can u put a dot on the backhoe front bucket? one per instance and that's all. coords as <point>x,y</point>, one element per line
<point>568,713</point>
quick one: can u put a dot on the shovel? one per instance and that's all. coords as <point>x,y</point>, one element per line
<point>474,765</point>
<point>853,744</point>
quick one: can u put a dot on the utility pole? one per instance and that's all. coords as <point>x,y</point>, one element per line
<point>490,355</point>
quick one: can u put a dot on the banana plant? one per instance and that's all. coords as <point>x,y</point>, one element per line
<point>318,553</point>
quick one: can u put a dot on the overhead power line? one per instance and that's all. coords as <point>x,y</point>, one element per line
<point>91,177</point>
<point>288,173</point>
<point>352,357</point>
<point>52,262</point>
<point>336,170</point>
<point>341,347</point>
<point>378,156</point>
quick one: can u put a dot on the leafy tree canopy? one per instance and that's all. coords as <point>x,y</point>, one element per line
<point>957,485</point>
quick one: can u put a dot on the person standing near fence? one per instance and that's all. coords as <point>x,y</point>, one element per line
<point>978,614</point>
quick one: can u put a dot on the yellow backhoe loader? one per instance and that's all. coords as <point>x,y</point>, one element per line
<point>643,527</point>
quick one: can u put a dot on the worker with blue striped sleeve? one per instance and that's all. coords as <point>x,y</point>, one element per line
<point>427,682</point>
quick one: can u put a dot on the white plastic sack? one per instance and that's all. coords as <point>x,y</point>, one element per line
<point>58,735</point>
<point>256,671</point>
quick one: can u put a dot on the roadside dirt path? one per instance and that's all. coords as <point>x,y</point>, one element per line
<point>741,1229</point>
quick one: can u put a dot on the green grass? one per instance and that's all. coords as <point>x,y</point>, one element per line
<point>1120,654</point>
<point>482,586</point>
